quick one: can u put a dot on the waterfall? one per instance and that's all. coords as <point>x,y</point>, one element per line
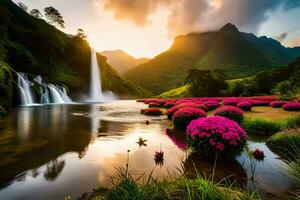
<point>95,86</point>
<point>96,94</point>
<point>24,86</point>
<point>49,93</point>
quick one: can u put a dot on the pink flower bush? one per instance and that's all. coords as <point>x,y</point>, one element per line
<point>277,104</point>
<point>152,111</point>
<point>184,116</point>
<point>231,112</point>
<point>169,104</point>
<point>216,135</point>
<point>291,107</point>
<point>151,105</point>
<point>172,110</point>
<point>212,105</point>
<point>245,105</point>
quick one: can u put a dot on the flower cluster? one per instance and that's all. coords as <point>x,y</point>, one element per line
<point>258,155</point>
<point>245,105</point>
<point>231,112</point>
<point>172,110</point>
<point>169,104</point>
<point>159,158</point>
<point>212,105</point>
<point>291,106</point>
<point>277,104</point>
<point>153,104</point>
<point>151,111</point>
<point>184,116</point>
<point>212,135</point>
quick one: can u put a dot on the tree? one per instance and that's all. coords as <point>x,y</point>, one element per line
<point>263,83</point>
<point>54,16</point>
<point>287,90</point>
<point>205,83</point>
<point>36,13</point>
<point>23,6</point>
<point>81,34</point>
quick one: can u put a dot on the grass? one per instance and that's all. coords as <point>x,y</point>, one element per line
<point>183,91</point>
<point>127,188</point>
<point>269,127</point>
<point>286,144</point>
<point>261,126</point>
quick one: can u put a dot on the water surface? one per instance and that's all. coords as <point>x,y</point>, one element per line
<point>56,151</point>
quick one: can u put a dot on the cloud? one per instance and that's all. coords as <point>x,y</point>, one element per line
<point>294,42</point>
<point>200,15</point>
<point>137,11</point>
<point>281,37</point>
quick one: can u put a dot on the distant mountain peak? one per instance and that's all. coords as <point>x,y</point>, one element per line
<point>229,27</point>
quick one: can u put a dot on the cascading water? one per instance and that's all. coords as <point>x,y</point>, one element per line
<point>24,85</point>
<point>96,86</point>
<point>50,94</point>
<point>96,94</point>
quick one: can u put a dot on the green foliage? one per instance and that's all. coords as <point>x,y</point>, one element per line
<point>205,83</point>
<point>286,90</point>
<point>183,91</point>
<point>261,126</point>
<point>179,188</point>
<point>6,83</point>
<point>54,16</point>
<point>286,143</point>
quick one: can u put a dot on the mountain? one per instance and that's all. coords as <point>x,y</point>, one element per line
<point>239,54</point>
<point>121,61</point>
<point>32,46</point>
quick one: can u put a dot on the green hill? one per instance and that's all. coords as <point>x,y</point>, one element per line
<point>32,46</point>
<point>240,54</point>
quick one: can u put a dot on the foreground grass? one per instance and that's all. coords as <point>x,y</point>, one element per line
<point>177,189</point>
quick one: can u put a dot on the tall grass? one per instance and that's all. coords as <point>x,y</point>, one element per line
<point>178,188</point>
<point>270,127</point>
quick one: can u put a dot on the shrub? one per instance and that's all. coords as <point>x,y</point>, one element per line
<point>245,105</point>
<point>277,104</point>
<point>169,104</point>
<point>151,105</point>
<point>212,105</point>
<point>184,116</point>
<point>216,135</point>
<point>231,112</point>
<point>172,110</point>
<point>152,111</point>
<point>261,126</point>
<point>291,107</point>
<point>286,143</point>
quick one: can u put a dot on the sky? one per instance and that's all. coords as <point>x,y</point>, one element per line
<point>145,28</point>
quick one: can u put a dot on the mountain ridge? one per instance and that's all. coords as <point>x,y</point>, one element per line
<point>122,61</point>
<point>240,54</point>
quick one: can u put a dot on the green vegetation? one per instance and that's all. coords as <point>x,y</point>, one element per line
<point>179,188</point>
<point>239,54</point>
<point>183,91</point>
<point>206,82</point>
<point>286,143</point>
<point>261,126</point>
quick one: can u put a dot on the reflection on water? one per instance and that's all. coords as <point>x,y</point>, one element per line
<point>65,150</point>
